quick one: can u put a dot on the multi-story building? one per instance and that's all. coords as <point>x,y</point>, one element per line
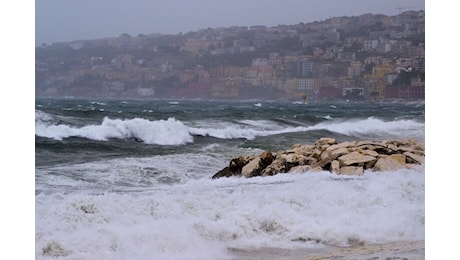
<point>355,69</point>
<point>370,45</point>
<point>317,69</point>
<point>379,71</point>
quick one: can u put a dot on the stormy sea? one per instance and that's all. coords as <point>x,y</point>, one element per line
<point>131,179</point>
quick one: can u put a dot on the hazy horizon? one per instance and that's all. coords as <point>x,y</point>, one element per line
<point>57,21</point>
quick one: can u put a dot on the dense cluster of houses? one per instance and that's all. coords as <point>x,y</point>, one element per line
<point>374,57</point>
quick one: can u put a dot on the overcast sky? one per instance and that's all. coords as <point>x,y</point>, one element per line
<point>58,20</point>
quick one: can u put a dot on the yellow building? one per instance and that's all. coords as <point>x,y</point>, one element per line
<point>375,84</point>
<point>380,70</point>
<point>376,81</point>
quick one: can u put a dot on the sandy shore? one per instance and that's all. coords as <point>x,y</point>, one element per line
<point>410,250</point>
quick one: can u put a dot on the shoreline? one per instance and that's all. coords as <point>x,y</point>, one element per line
<point>395,250</point>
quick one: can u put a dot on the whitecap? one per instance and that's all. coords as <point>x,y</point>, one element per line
<point>162,132</point>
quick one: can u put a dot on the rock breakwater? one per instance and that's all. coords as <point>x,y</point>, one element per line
<point>346,158</point>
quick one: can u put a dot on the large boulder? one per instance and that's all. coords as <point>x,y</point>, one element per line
<point>325,141</point>
<point>390,163</point>
<point>305,149</point>
<point>414,158</point>
<point>294,159</point>
<point>341,145</point>
<point>225,172</point>
<point>238,163</point>
<point>338,152</point>
<point>234,167</point>
<point>369,152</point>
<point>277,166</point>
<point>266,157</point>
<point>253,168</point>
<point>335,167</point>
<point>356,159</point>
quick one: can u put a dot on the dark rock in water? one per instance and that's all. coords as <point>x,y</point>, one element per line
<point>347,158</point>
<point>225,172</point>
<point>253,168</point>
<point>235,166</point>
<point>267,157</point>
<point>238,163</point>
<point>136,139</point>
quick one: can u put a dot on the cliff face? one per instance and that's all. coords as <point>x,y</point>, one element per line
<point>346,158</point>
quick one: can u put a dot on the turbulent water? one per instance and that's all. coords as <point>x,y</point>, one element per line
<point>132,179</point>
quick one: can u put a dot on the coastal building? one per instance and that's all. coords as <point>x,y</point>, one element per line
<point>226,89</point>
<point>361,56</point>
<point>355,69</point>
<point>370,45</point>
<point>376,87</point>
<point>146,92</point>
<point>380,71</point>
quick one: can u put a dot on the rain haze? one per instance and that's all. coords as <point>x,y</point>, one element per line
<point>61,21</point>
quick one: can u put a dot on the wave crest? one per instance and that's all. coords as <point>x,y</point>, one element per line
<point>375,127</point>
<point>161,132</point>
<point>174,132</point>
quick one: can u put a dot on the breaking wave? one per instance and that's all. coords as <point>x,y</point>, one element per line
<point>161,132</point>
<point>175,132</point>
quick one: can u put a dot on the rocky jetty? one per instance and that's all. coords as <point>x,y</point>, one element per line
<point>346,158</point>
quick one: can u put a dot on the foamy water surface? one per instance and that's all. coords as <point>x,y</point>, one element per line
<point>195,217</point>
<point>132,180</point>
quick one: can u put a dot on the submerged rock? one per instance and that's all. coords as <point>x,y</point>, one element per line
<point>347,158</point>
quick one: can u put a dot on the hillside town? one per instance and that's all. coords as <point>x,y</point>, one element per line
<point>371,57</point>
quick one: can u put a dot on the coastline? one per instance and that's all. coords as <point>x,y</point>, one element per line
<point>394,250</point>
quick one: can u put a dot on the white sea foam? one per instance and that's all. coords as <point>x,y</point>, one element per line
<point>328,117</point>
<point>98,103</point>
<point>375,127</point>
<point>198,218</point>
<point>236,131</point>
<point>372,127</point>
<point>43,117</point>
<point>163,132</point>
